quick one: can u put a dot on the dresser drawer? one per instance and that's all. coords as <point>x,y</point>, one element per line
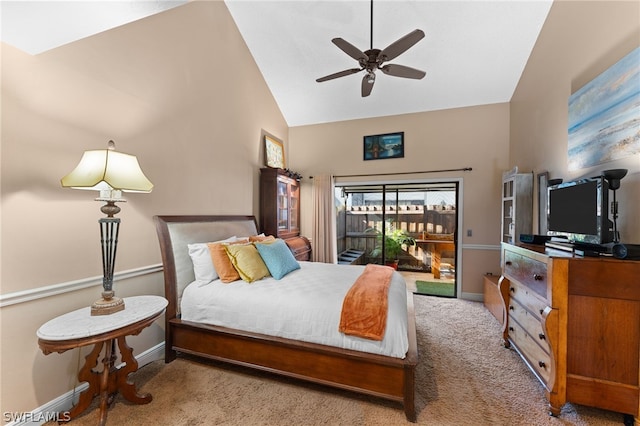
<point>527,298</point>
<point>536,357</point>
<point>526,270</point>
<point>530,322</point>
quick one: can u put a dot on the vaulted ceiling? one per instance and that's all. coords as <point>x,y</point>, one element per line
<point>473,52</point>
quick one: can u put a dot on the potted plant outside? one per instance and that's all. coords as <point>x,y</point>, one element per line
<point>394,240</point>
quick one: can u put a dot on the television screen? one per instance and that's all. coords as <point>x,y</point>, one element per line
<point>574,208</point>
<point>578,210</point>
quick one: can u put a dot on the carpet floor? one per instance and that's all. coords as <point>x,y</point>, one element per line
<point>465,377</point>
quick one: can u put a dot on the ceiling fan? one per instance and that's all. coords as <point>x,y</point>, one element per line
<point>373,59</point>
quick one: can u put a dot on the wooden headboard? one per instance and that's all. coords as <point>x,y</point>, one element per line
<point>175,232</point>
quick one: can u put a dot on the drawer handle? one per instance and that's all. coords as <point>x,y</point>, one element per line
<point>512,289</point>
<point>542,336</point>
<point>508,262</point>
<point>511,308</point>
<point>541,311</point>
<point>510,328</point>
<point>542,364</point>
<point>537,277</point>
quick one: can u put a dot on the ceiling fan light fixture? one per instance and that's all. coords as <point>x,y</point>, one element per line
<point>371,77</point>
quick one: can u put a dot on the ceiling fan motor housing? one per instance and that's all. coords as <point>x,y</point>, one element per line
<point>372,62</point>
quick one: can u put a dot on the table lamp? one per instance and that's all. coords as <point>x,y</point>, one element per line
<point>613,177</point>
<point>110,172</point>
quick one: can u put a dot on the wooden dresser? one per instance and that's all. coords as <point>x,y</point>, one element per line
<point>576,323</point>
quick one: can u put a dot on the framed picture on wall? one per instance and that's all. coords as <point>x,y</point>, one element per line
<point>274,153</point>
<point>388,145</point>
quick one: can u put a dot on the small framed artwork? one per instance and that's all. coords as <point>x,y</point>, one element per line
<point>388,145</point>
<point>543,183</point>
<point>274,153</point>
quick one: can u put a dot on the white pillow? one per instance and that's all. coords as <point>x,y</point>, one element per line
<point>201,258</point>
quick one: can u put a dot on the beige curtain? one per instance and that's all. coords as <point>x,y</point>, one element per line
<point>323,235</point>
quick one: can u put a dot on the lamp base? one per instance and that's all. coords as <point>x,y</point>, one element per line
<point>109,304</point>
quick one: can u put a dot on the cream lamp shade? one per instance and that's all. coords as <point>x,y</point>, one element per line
<point>108,170</point>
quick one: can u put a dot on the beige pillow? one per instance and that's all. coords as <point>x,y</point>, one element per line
<point>261,238</point>
<point>247,261</point>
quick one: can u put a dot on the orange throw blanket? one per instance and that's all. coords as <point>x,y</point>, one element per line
<point>364,309</point>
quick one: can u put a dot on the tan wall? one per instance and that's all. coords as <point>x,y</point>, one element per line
<point>580,40</point>
<point>475,137</point>
<point>158,89</point>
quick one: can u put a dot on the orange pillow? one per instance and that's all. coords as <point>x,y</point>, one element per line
<point>222,263</point>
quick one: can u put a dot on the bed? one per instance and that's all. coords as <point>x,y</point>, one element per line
<point>352,368</point>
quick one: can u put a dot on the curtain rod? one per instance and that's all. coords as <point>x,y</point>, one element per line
<point>464,169</point>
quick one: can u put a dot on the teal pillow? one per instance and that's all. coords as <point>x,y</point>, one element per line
<point>278,258</point>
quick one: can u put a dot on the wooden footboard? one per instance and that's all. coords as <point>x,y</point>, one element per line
<point>377,375</point>
<point>381,376</point>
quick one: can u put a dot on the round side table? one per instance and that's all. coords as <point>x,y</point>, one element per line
<point>79,328</point>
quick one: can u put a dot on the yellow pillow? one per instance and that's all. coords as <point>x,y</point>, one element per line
<point>247,261</point>
<point>222,263</point>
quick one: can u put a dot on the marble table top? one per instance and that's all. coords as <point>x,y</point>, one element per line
<point>80,324</point>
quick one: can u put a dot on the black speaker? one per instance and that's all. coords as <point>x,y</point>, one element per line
<point>534,238</point>
<point>626,251</point>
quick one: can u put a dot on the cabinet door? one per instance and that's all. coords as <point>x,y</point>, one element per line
<point>283,206</point>
<point>294,207</point>
<point>507,211</point>
<point>517,202</point>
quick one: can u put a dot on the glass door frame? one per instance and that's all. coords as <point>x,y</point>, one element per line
<point>459,185</point>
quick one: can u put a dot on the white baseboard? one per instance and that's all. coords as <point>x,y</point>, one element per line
<point>476,297</point>
<point>63,403</point>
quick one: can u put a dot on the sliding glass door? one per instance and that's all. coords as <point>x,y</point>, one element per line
<point>411,227</point>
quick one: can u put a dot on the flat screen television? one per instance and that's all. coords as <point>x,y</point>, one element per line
<point>578,210</point>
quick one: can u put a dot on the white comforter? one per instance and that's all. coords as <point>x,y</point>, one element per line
<point>305,305</point>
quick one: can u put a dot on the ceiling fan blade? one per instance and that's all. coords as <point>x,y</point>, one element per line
<point>402,71</point>
<point>350,49</point>
<point>401,45</point>
<point>338,74</point>
<point>367,85</point>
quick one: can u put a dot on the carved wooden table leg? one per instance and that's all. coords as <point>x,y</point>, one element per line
<point>87,374</point>
<point>108,382</point>
<point>126,388</point>
<point>107,363</point>
<point>79,328</point>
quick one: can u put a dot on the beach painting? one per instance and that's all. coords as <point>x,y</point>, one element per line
<point>604,116</point>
